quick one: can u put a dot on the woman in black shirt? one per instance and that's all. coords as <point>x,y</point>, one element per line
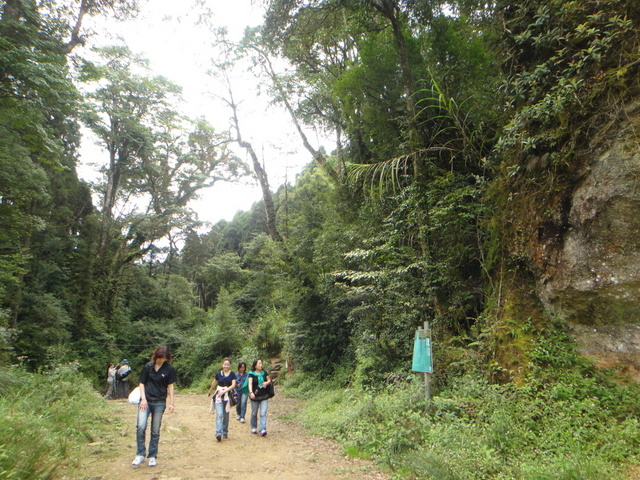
<point>156,383</point>
<point>225,382</point>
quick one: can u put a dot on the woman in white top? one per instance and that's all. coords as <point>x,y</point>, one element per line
<point>111,380</point>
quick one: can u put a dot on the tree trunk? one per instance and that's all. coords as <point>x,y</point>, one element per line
<point>11,10</point>
<point>318,157</point>
<point>76,39</point>
<point>16,301</point>
<point>267,198</point>
<point>390,10</point>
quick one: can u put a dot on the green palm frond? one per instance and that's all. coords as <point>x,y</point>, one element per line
<point>390,174</point>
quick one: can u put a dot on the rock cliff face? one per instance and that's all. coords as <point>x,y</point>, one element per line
<point>590,272</point>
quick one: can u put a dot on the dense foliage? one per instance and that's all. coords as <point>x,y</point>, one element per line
<point>568,421</point>
<point>458,127</point>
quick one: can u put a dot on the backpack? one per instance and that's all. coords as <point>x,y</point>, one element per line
<point>125,374</point>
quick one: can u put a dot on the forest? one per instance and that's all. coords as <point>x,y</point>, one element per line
<point>465,132</point>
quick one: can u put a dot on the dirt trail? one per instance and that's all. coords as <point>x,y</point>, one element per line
<point>189,451</point>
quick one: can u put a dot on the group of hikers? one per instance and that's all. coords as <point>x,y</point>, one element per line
<point>236,388</point>
<point>228,389</point>
<point>118,380</point>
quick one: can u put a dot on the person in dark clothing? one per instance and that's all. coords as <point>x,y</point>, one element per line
<point>256,380</point>
<point>156,383</point>
<point>241,407</point>
<point>224,383</point>
<point>122,379</point>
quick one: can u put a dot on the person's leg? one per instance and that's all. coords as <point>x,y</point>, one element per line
<point>141,429</point>
<point>219,418</point>
<point>239,407</point>
<point>225,420</point>
<point>264,404</point>
<point>109,393</point>
<point>243,408</point>
<point>157,410</point>
<point>253,421</point>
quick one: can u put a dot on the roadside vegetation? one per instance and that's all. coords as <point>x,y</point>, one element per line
<point>567,421</point>
<point>44,418</point>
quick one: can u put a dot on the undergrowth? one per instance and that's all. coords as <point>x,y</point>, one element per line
<point>567,421</point>
<point>43,418</point>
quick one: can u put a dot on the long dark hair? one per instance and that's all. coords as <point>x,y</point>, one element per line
<point>162,352</point>
<point>242,364</point>
<point>255,363</point>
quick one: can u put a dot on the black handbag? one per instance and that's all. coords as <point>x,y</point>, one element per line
<point>264,393</point>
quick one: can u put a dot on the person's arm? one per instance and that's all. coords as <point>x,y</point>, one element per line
<point>213,385</point>
<point>233,385</point>
<point>267,380</point>
<point>251,395</point>
<point>172,407</point>
<point>143,398</point>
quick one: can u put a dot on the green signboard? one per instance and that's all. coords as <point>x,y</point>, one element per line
<point>422,353</point>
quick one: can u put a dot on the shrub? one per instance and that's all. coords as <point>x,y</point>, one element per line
<point>565,425</point>
<point>44,416</point>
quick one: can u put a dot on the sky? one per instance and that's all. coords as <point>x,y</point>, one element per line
<point>167,35</point>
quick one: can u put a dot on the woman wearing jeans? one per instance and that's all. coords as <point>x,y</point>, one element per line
<point>258,378</point>
<point>224,383</point>
<point>156,382</point>
<point>241,376</point>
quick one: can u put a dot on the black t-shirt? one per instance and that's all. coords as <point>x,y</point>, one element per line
<point>256,380</point>
<point>156,383</point>
<point>225,381</point>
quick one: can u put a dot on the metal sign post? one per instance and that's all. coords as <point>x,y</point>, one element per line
<point>422,358</point>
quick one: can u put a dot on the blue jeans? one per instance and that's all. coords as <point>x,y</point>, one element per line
<point>155,410</point>
<point>241,407</point>
<point>222,419</point>
<point>262,407</point>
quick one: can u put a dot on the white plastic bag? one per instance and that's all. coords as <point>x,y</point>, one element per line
<point>134,396</point>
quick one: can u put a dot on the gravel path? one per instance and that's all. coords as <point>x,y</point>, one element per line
<point>189,451</point>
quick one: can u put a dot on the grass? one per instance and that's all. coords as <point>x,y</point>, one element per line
<point>571,423</point>
<point>44,417</point>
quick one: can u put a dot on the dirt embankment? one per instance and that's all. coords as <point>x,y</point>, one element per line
<point>189,451</point>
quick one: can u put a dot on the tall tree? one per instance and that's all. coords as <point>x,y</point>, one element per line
<point>155,165</point>
<point>38,137</point>
<point>45,210</point>
<point>223,73</point>
<point>282,88</point>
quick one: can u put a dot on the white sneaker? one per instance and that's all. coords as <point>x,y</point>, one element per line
<point>138,460</point>
<point>152,462</point>
<point>242,420</point>
<point>253,430</point>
